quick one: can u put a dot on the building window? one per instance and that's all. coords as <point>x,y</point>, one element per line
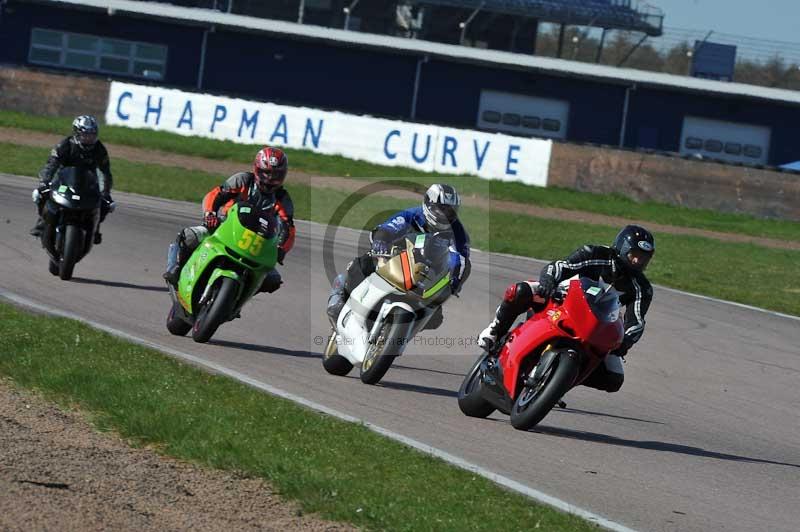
<point>550,124</point>
<point>97,54</point>
<point>733,148</point>
<point>511,119</point>
<point>531,122</point>
<point>713,145</point>
<point>492,117</point>
<point>694,143</point>
<point>752,151</point>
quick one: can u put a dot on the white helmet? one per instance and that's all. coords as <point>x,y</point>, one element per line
<point>440,206</point>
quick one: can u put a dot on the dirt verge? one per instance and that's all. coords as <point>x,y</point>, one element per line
<point>58,473</point>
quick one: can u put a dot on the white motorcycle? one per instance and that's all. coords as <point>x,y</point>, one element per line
<point>390,307</point>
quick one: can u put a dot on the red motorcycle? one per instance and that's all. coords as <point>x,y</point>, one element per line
<point>556,348</point>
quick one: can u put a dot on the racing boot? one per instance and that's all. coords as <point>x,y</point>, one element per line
<point>174,264</point>
<point>487,339</point>
<point>38,228</point>
<point>98,238</point>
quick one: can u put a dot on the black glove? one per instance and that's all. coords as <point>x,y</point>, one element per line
<point>547,285</point>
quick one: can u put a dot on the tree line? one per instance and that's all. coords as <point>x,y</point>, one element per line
<point>578,46</point>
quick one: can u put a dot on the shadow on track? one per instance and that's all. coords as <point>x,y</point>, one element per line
<point>419,389</point>
<point>652,445</point>
<point>119,284</point>
<point>440,372</point>
<point>266,349</point>
<point>603,414</point>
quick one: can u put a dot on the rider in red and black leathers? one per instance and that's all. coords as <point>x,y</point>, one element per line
<point>83,150</point>
<point>622,265</point>
<point>262,186</point>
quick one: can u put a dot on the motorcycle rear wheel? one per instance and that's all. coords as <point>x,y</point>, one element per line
<point>216,311</point>
<point>175,325</point>
<point>332,361</point>
<point>534,402</point>
<point>470,400</point>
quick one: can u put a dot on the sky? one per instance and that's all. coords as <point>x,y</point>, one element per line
<point>763,19</point>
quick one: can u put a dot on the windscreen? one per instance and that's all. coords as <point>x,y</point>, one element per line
<point>603,299</point>
<point>263,222</point>
<point>82,181</point>
<point>434,251</point>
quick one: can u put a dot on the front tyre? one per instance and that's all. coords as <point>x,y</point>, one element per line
<point>73,244</point>
<point>379,355</point>
<point>332,361</point>
<point>216,310</point>
<point>535,401</point>
<point>470,398</point>
<point>176,325</point>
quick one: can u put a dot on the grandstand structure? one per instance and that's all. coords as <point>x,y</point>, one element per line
<point>509,25</point>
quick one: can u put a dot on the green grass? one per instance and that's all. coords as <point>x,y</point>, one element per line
<point>342,471</point>
<point>306,161</point>
<point>744,273</point>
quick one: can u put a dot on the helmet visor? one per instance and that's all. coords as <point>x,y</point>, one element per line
<point>268,181</point>
<point>639,258</point>
<point>86,138</point>
<point>444,213</point>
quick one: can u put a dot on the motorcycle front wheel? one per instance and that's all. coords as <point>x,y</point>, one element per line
<point>216,310</point>
<point>379,359</point>
<point>73,243</point>
<point>536,400</point>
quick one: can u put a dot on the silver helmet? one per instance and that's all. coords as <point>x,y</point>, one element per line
<point>440,206</point>
<point>85,130</point>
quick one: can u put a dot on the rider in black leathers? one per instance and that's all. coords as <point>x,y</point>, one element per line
<point>622,265</point>
<point>83,150</point>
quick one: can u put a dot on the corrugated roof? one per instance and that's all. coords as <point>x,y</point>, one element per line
<point>460,53</point>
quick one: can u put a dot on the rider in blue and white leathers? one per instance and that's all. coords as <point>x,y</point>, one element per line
<point>438,213</point>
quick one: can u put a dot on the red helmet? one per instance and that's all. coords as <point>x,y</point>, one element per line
<point>270,167</point>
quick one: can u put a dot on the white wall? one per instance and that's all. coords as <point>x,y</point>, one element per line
<point>387,142</point>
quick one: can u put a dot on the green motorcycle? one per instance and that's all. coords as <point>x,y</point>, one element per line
<point>224,272</point>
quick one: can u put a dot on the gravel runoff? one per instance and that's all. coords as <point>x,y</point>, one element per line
<point>58,473</point>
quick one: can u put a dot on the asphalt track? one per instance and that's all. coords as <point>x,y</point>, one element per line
<point>704,435</point>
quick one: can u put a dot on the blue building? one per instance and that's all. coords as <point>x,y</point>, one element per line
<point>408,79</point>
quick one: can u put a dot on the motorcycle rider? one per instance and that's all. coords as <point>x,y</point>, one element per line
<point>621,265</point>
<point>83,150</point>
<point>438,213</point>
<point>263,187</point>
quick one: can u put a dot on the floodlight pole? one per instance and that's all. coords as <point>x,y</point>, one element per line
<point>347,10</point>
<point>633,49</point>
<point>600,46</point>
<point>463,25</point>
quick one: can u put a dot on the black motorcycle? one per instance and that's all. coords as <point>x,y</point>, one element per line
<point>71,216</point>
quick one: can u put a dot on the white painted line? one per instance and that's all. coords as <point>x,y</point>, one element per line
<point>241,377</point>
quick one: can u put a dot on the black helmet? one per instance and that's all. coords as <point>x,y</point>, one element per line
<point>440,206</point>
<point>634,246</point>
<point>85,131</point>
